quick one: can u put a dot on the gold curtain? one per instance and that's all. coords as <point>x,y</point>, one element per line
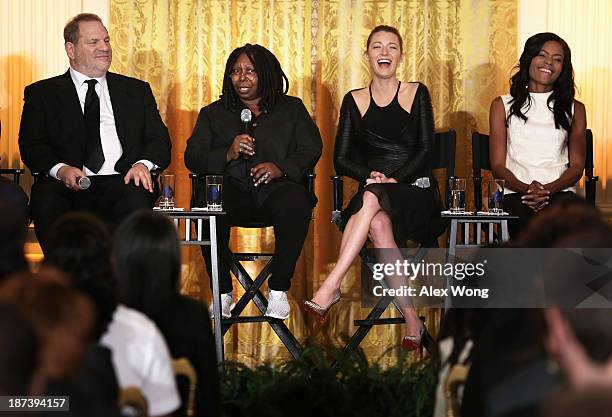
<point>585,26</point>
<point>31,49</point>
<point>462,50</point>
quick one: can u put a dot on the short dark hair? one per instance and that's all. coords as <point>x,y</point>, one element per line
<point>385,28</point>
<point>147,258</point>
<point>272,82</point>
<point>71,30</point>
<point>80,246</point>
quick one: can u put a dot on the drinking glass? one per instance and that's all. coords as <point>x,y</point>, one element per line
<point>214,190</point>
<point>456,187</point>
<point>166,187</point>
<point>495,196</point>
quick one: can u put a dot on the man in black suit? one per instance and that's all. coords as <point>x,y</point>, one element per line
<point>91,123</point>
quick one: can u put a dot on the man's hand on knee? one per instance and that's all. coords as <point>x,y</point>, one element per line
<point>140,174</point>
<point>70,177</point>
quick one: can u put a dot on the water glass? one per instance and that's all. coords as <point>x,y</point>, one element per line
<point>166,187</point>
<point>456,187</point>
<point>495,196</point>
<point>214,190</point>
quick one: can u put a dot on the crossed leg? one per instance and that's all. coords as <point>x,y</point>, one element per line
<point>372,220</point>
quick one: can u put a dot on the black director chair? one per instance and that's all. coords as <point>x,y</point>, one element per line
<point>252,285</point>
<point>590,182</point>
<point>443,158</point>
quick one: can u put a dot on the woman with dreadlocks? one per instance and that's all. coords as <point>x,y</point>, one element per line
<point>262,141</point>
<point>537,132</point>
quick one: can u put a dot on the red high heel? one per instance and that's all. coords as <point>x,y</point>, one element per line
<point>411,343</point>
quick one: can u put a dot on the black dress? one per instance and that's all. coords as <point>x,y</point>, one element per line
<point>399,144</point>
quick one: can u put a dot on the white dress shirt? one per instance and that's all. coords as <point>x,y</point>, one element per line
<point>111,146</point>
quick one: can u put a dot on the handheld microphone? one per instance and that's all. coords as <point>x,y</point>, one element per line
<point>245,117</point>
<point>84,183</point>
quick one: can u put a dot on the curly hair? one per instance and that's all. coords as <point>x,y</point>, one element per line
<point>564,88</point>
<point>272,81</point>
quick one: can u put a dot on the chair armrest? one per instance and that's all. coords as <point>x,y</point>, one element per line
<point>477,193</point>
<point>37,175</point>
<point>156,173</point>
<point>590,188</point>
<point>15,172</point>
<point>310,179</point>
<point>194,187</point>
<point>338,198</point>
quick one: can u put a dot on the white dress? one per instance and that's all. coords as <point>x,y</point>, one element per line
<point>535,149</point>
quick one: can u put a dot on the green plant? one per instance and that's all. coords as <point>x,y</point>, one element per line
<point>311,387</point>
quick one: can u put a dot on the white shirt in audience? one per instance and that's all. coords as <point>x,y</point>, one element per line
<point>141,359</point>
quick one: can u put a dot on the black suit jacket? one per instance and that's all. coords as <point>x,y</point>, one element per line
<point>53,128</point>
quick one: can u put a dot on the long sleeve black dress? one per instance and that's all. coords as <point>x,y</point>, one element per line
<point>399,144</point>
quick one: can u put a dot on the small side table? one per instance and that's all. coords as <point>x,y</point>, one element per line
<point>482,224</point>
<point>479,223</point>
<point>184,220</point>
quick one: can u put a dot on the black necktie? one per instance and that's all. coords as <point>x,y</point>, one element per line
<point>94,157</point>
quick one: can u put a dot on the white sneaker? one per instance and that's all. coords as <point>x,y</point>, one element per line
<point>278,305</point>
<point>227,305</point>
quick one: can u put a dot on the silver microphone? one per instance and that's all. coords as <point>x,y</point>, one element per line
<point>245,117</point>
<point>84,182</point>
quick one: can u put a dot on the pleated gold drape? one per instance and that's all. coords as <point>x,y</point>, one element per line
<point>462,50</point>
<point>585,26</point>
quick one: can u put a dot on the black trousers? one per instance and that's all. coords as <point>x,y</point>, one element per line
<point>108,197</point>
<point>514,206</point>
<point>288,209</point>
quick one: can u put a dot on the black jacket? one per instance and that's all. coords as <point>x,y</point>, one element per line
<point>53,128</point>
<point>286,136</point>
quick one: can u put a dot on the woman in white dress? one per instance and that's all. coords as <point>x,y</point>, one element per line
<point>537,132</point>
